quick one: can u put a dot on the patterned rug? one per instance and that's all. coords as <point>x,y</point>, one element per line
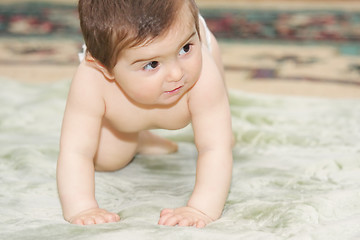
<point>321,45</point>
<point>315,45</point>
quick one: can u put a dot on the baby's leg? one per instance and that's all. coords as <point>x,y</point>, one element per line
<point>150,143</point>
<point>117,149</point>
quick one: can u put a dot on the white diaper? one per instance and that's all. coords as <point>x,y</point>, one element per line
<point>207,32</point>
<point>82,54</point>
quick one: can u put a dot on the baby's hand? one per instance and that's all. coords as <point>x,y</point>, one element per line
<point>94,216</point>
<point>184,216</point>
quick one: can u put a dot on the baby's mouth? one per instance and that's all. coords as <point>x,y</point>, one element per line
<point>174,90</point>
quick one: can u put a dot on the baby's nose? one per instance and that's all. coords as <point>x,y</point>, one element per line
<point>175,73</point>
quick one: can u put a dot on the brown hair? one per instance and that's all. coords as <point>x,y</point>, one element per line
<point>110,26</point>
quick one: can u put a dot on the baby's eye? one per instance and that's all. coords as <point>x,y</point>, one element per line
<point>185,49</point>
<point>151,65</point>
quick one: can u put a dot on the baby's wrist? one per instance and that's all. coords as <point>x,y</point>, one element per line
<point>210,218</point>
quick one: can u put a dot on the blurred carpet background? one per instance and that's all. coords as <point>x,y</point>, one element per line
<point>279,48</point>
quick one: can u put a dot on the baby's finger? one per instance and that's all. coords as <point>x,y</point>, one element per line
<point>164,215</point>
<point>166,211</point>
<point>200,224</point>
<point>185,222</point>
<point>89,221</point>
<point>172,221</point>
<point>111,217</point>
<point>99,219</point>
<point>77,221</point>
<point>164,218</point>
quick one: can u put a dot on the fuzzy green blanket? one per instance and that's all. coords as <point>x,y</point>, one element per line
<point>296,172</point>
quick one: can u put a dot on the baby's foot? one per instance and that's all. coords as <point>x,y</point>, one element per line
<point>150,143</point>
<point>185,216</point>
<point>94,216</point>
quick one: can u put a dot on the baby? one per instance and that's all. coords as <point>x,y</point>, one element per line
<point>149,64</point>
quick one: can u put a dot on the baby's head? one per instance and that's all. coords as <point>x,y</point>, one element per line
<point>110,26</point>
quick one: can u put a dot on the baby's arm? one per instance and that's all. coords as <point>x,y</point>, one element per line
<point>78,145</point>
<point>211,120</point>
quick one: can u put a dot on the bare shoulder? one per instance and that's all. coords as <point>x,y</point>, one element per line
<point>87,90</point>
<point>210,88</point>
<point>87,78</point>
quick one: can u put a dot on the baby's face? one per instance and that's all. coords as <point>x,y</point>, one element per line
<point>162,71</point>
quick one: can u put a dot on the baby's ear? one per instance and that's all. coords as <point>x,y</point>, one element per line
<point>99,66</point>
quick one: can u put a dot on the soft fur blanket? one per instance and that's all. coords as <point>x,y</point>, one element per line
<point>296,172</point>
